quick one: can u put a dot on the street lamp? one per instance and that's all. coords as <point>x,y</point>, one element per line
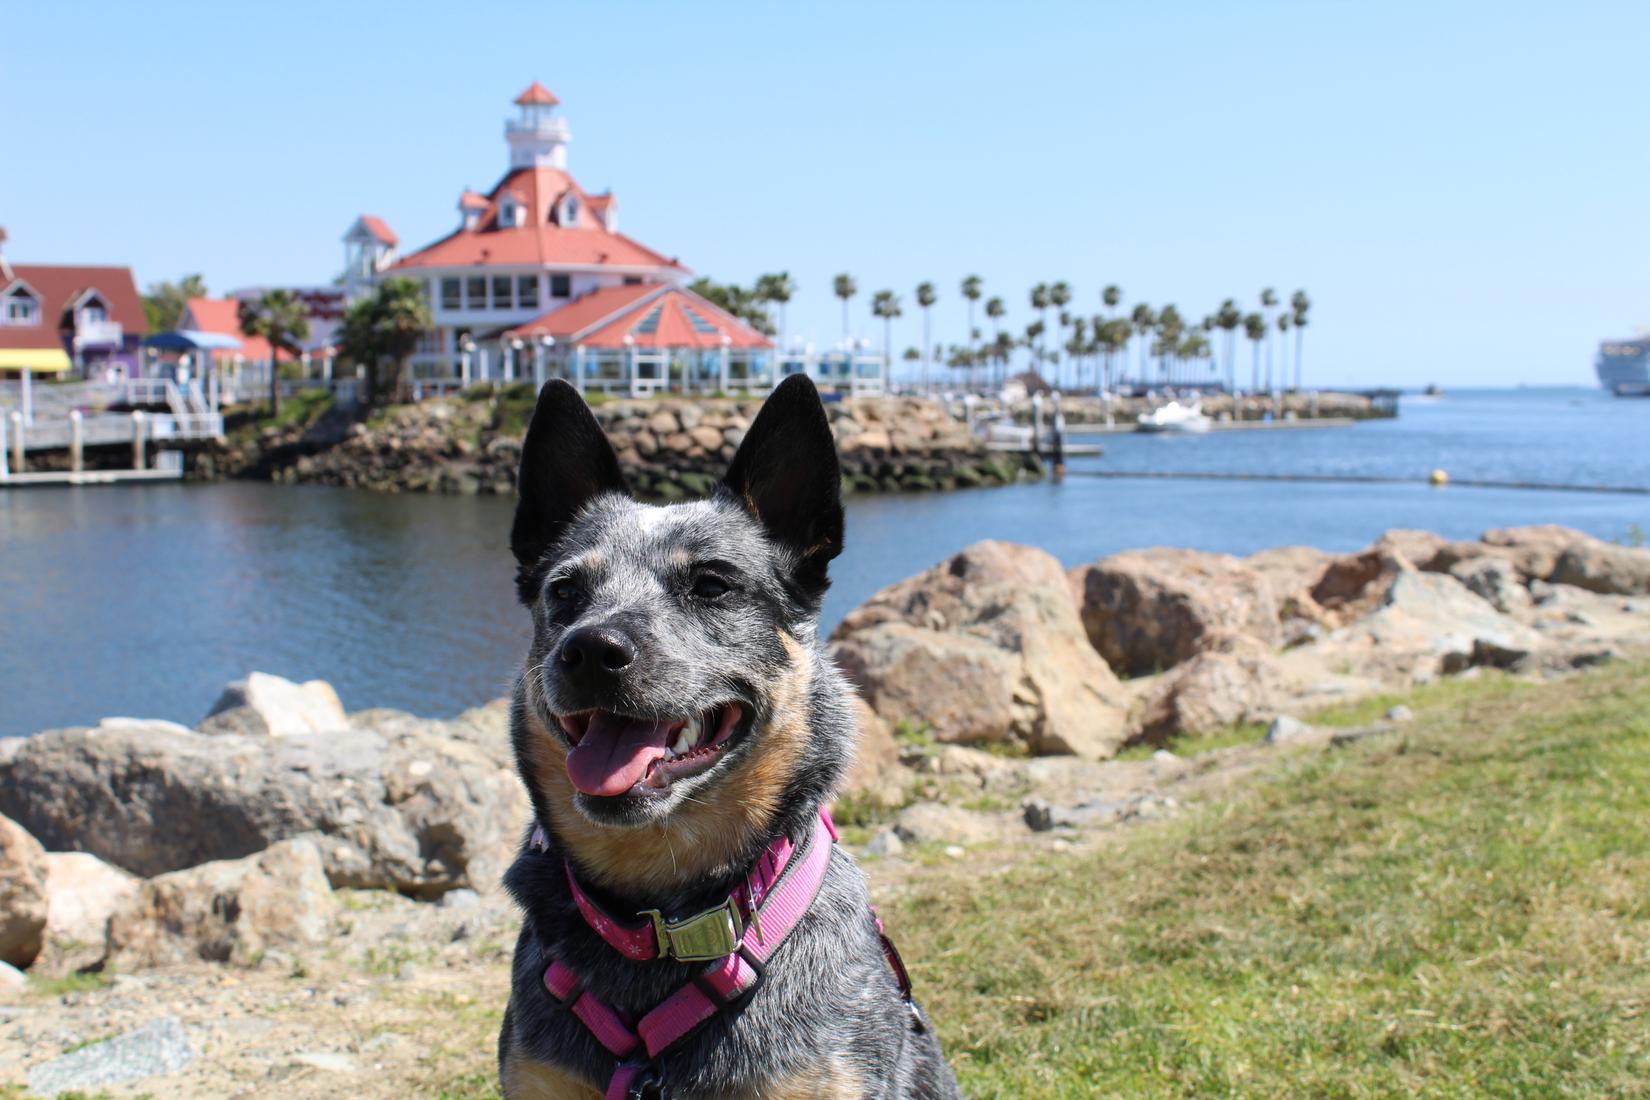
<point>516,345</point>
<point>466,348</point>
<point>541,348</point>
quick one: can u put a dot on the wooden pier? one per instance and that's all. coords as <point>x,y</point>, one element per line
<point>76,432</point>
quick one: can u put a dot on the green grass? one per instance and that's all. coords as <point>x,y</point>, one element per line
<point>1460,908</point>
<point>79,982</point>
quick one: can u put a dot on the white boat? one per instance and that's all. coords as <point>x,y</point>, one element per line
<point>1174,417</point>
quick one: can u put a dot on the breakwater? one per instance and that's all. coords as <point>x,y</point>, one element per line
<point>670,449</point>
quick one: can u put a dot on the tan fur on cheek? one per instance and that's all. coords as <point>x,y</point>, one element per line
<point>701,839</point>
<point>525,1079</point>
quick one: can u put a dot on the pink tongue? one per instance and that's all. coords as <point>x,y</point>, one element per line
<point>614,753</point>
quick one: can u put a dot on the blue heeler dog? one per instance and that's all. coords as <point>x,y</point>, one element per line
<point>690,930</point>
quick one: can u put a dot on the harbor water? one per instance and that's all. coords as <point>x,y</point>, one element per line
<point>144,600</point>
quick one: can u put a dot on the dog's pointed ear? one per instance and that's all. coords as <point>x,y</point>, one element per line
<point>566,462</point>
<point>786,474</point>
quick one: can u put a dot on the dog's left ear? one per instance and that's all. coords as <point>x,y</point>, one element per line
<point>566,462</point>
<point>786,474</point>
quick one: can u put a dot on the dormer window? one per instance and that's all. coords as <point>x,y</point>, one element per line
<point>509,214</point>
<point>94,313</point>
<point>570,212</point>
<point>22,308</point>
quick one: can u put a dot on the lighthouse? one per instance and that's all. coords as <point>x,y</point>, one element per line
<point>538,135</point>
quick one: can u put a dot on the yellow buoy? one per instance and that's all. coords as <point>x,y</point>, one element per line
<point>1438,477</point>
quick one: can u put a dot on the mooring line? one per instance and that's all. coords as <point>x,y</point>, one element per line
<point>1357,479</point>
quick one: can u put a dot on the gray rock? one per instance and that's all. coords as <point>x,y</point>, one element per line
<point>1286,728</point>
<point>460,899</point>
<point>274,707</point>
<point>885,843</point>
<point>22,895</point>
<point>1602,567</point>
<point>155,1049</point>
<point>934,822</point>
<point>1494,579</point>
<point>1164,756</point>
<point>11,977</point>
<point>1040,816</point>
<point>418,807</point>
<point>1400,713</point>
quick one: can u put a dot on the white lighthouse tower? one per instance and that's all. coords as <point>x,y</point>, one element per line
<point>538,137</point>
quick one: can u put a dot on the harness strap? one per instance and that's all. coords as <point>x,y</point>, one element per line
<point>783,895</point>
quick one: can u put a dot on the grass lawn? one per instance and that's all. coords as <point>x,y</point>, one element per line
<point>1458,909</point>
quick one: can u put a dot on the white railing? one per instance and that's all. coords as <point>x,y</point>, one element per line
<point>97,431</point>
<point>88,333</point>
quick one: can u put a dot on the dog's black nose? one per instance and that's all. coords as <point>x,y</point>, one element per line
<point>592,652</point>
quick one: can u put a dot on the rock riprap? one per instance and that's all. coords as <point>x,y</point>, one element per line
<point>986,646</point>
<point>405,804</point>
<point>22,895</point>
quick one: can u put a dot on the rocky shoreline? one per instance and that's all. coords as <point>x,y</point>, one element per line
<point>276,897</point>
<point>670,449</point>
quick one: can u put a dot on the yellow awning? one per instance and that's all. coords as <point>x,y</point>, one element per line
<point>38,360</point>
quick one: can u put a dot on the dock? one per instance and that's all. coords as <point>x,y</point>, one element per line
<point>1299,423</point>
<point>164,472</point>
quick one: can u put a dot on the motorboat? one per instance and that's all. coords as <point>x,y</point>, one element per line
<point>1175,417</point>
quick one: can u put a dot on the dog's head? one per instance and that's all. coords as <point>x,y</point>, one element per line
<point>672,673</point>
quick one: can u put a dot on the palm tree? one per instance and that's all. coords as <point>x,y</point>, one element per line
<point>926,298</point>
<point>1034,343</point>
<point>1002,347</point>
<point>1268,302</point>
<point>1283,351</point>
<point>1110,297</point>
<point>278,316</point>
<point>1299,303</point>
<point>1254,327</point>
<point>995,310</point>
<point>885,304</point>
<point>778,289</point>
<point>1227,318</point>
<point>1058,296</point>
<point>1039,302</point>
<point>1170,326</point>
<point>385,325</point>
<point>1144,320</point>
<point>845,287</point>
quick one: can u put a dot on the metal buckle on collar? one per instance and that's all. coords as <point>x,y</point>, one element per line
<point>704,937</point>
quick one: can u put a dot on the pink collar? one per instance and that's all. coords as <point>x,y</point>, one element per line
<point>720,930</point>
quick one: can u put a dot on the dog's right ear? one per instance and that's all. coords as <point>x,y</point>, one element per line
<point>566,462</point>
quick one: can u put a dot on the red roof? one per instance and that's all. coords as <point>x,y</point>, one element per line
<point>469,200</point>
<point>537,95</point>
<point>584,243</point>
<point>57,288</point>
<point>221,315</point>
<point>378,229</point>
<point>654,315</point>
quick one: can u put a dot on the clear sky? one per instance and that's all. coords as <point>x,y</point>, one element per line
<point>1461,187</point>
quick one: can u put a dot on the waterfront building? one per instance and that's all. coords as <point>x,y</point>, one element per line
<point>68,321</point>
<point>535,281</point>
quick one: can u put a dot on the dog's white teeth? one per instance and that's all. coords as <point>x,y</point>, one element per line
<point>684,742</point>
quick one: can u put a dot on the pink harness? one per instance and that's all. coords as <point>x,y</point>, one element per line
<point>737,937</point>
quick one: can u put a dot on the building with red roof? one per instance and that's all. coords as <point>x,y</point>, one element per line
<point>67,320</point>
<point>536,280</point>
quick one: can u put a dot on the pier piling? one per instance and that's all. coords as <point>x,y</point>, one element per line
<point>77,441</point>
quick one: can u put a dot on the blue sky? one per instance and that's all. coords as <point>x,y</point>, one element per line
<point>1459,186</point>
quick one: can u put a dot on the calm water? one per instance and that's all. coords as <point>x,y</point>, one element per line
<point>146,600</point>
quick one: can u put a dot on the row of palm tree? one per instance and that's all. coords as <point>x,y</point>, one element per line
<point>1089,349</point>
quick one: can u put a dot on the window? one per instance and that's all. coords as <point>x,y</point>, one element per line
<point>501,292</point>
<point>507,214</point>
<point>699,323</point>
<point>94,314</point>
<point>561,286</point>
<point>452,294</point>
<point>527,291</point>
<point>475,291</point>
<point>632,280</point>
<point>649,324</point>
<point>570,212</point>
<point>22,309</point>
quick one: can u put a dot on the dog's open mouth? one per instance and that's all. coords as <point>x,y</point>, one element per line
<point>613,754</point>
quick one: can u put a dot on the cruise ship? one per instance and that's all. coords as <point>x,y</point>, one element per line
<point>1624,366</point>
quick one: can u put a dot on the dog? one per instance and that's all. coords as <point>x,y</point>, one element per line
<point>689,929</point>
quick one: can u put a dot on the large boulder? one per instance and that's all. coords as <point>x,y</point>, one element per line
<point>875,771</point>
<point>1234,683</point>
<point>273,707</point>
<point>1534,550</point>
<point>1603,567</point>
<point>1149,610</point>
<point>22,895</point>
<point>985,646</point>
<point>82,893</point>
<point>1420,548</point>
<point>1495,579</point>
<point>411,805</point>
<point>225,911</point>
<point>1434,619</point>
<point>1355,584</point>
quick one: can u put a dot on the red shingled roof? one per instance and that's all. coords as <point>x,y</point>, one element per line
<point>221,315</point>
<point>378,229</point>
<point>537,95</point>
<point>57,287</point>
<point>603,318</point>
<point>586,243</point>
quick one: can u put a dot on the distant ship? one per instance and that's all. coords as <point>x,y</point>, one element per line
<point>1624,366</point>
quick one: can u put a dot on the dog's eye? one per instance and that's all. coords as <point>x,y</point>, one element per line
<point>710,587</point>
<point>564,591</point>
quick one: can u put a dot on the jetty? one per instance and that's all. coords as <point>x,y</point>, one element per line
<point>74,418</point>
